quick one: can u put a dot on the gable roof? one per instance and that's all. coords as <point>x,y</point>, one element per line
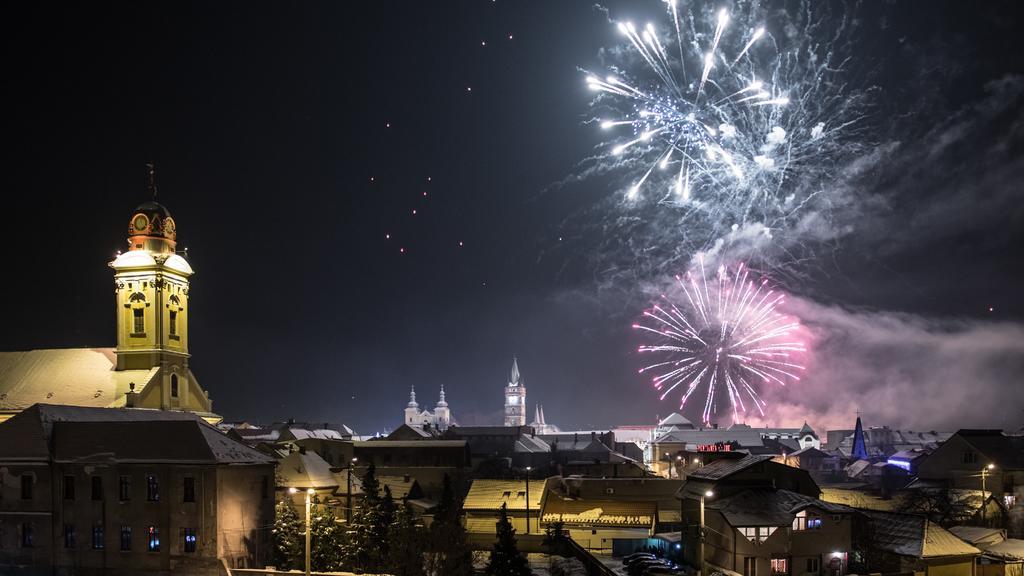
<point>725,467</point>
<point>914,536</point>
<point>979,536</point>
<point>305,470</point>
<point>71,376</point>
<point>768,507</point>
<point>1006,451</point>
<point>491,494</point>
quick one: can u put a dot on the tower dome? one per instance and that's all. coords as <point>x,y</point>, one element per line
<point>152,228</point>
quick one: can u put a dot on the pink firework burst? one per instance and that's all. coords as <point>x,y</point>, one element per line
<point>725,334</point>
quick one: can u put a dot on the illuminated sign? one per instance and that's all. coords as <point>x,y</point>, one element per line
<point>899,464</point>
<point>597,516</point>
<point>717,447</point>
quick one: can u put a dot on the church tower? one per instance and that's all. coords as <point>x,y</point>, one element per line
<point>412,409</point>
<point>152,291</point>
<point>515,398</point>
<point>442,414</point>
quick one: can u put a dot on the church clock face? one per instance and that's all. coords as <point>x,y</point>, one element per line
<point>140,222</point>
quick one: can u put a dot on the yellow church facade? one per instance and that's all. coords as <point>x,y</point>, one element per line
<point>149,368</point>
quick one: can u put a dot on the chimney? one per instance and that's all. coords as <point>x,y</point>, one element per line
<point>302,449</point>
<point>406,478</point>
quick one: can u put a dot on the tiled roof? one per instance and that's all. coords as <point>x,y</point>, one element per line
<point>182,441</point>
<point>914,536</point>
<point>409,444</point>
<point>768,507</point>
<point>726,467</point>
<point>72,376</point>
<point>528,443</point>
<point>309,470</point>
<point>491,494</point>
<point>745,437</point>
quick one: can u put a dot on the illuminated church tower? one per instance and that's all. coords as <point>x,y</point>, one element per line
<point>152,289</point>
<point>515,398</point>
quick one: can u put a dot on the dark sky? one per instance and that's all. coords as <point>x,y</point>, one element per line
<point>291,139</point>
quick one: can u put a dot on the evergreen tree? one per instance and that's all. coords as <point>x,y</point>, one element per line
<point>387,518</point>
<point>289,537</point>
<point>407,544</point>
<point>505,557</point>
<point>361,551</point>
<point>450,554</point>
<point>327,539</point>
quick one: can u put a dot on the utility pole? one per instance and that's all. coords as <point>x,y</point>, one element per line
<point>528,468</point>
<point>703,570</point>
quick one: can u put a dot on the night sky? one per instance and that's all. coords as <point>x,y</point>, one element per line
<point>366,192</point>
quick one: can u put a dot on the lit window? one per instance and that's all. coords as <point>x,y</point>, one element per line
<point>154,539</point>
<point>152,489</point>
<point>188,539</point>
<point>174,385</point>
<point>138,321</point>
<point>124,489</point>
<point>780,566</point>
<point>189,490</point>
<point>126,538</point>
<point>757,534</point>
<point>806,523</point>
<point>69,535</point>
<point>97,537</point>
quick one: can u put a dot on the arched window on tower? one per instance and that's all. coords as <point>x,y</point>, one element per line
<point>137,306</point>
<point>174,385</point>
<point>174,306</point>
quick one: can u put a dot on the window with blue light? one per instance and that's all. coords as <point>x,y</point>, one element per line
<point>154,539</point>
<point>188,540</point>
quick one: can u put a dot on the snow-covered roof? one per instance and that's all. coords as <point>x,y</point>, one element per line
<point>1010,549</point>
<point>914,536</point>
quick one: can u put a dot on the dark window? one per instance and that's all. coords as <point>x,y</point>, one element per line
<point>69,487</point>
<point>124,489</point>
<point>97,488</point>
<point>154,539</point>
<point>173,324</point>
<point>97,537</point>
<point>190,490</point>
<point>139,321</point>
<point>152,489</point>
<point>126,538</point>
<point>26,486</point>
<point>174,385</point>
<point>812,565</point>
<point>188,539</point>
<point>264,487</point>
<point>969,458</point>
<point>69,535</point>
<point>27,535</point>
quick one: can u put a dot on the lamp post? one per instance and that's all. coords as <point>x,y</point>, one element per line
<point>700,551</point>
<point>669,460</point>
<point>348,493</point>
<point>680,464</point>
<point>309,495</point>
<point>528,468</point>
<point>984,473</point>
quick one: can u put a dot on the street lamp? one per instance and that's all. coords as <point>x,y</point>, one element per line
<point>707,494</point>
<point>348,494</point>
<point>309,495</point>
<point>528,468</point>
<point>669,460</point>
<point>984,473</point>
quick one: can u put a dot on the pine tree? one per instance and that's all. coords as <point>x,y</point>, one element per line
<point>289,537</point>
<point>450,554</point>
<point>327,538</point>
<point>505,557</point>
<point>407,543</point>
<point>361,551</point>
<point>387,518</point>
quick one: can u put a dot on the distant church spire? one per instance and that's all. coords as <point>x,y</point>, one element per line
<point>441,401</point>
<point>860,450</point>
<point>514,376</point>
<point>537,417</point>
<point>412,397</point>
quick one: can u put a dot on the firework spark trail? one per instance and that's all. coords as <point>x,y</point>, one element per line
<point>727,131</point>
<point>731,336</point>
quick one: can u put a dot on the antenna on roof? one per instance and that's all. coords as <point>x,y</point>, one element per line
<point>151,173</point>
